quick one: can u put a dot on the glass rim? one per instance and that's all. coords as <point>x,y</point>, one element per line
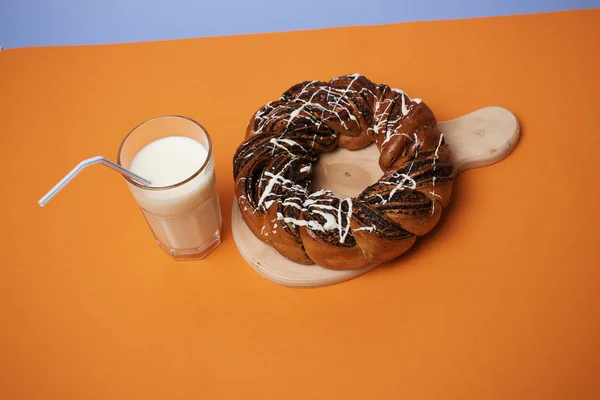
<point>175,185</point>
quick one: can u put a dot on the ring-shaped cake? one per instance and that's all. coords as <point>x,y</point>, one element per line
<point>273,169</point>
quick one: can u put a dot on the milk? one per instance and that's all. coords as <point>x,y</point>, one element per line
<point>185,219</point>
<point>169,160</point>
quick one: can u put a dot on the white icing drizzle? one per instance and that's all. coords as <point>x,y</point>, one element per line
<point>367,90</point>
<point>342,96</point>
<point>289,142</point>
<point>274,179</point>
<point>403,96</point>
<point>348,216</point>
<point>261,115</point>
<point>400,186</point>
<point>404,108</point>
<point>335,104</point>
<point>390,134</point>
<point>435,157</point>
<point>324,109</point>
<point>330,221</point>
<point>365,228</point>
<point>334,216</point>
<point>289,203</point>
<point>320,192</point>
<point>297,111</point>
<point>416,152</point>
<point>380,121</point>
<point>412,184</point>
<point>313,225</point>
<point>340,103</point>
<point>275,143</point>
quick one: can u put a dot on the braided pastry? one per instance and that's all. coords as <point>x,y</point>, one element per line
<point>272,173</point>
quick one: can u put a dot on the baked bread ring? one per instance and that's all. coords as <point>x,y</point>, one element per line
<point>273,168</point>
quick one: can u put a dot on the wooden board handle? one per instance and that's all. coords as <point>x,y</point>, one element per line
<point>481,138</point>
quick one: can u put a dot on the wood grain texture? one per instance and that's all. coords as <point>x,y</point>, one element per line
<point>478,139</point>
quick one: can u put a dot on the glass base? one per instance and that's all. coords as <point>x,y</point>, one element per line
<point>193,254</point>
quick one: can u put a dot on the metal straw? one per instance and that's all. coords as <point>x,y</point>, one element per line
<point>90,161</point>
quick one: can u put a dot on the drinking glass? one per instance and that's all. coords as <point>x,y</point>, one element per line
<point>185,216</point>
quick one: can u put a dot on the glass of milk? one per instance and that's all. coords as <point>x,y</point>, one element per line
<point>181,205</point>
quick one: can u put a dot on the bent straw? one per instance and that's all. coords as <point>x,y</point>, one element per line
<point>85,163</point>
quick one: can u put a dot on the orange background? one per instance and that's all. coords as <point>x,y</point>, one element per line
<point>501,301</point>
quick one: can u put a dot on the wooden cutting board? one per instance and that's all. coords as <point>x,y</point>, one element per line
<point>478,139</point>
